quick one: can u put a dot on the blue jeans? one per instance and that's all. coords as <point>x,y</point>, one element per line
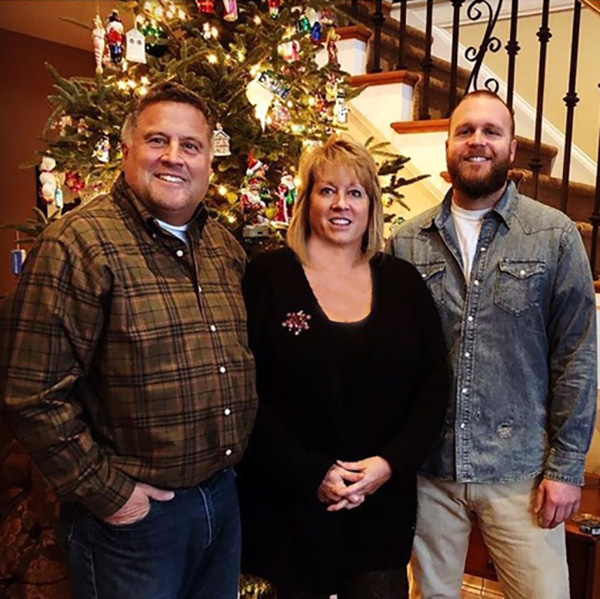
<point>186,548</point>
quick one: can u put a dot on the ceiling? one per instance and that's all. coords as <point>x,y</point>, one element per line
<point>43,19</point>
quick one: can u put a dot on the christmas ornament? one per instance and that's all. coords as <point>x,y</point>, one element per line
<point>327,17</point>
<point>260,97</point>
<point>303,23</point>
<point>290,51</point>
<point>206,6</point>
<point>74,182</point>
<point>274,6</point>
<point>59,201</point>
<point>135,47</point>
<point>155,37</point>
<point>279,115</point>
<point>99,42</point>
<point>17,257</point>
<point>231,10</point>
<point>331,89</point>
<point>48,179</point>
<point>332,51</point>
<point>316,32</point>
<point>340,110</point>
<point>221,145</point>
<point>115,36</point>
<point>102,150</point>
<point>286,198</point>
<point>271,81</point>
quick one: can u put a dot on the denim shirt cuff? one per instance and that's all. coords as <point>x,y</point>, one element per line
<point>565,467</point>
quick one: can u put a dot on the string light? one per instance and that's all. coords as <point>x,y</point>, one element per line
<point>122,85</point>
<point>212,58</point>
<point>159,12</point>
<point>231,218</point>
<point>257,20</point>
<point>223,190</point>
<point>145,80</point>
<point>142,91</point>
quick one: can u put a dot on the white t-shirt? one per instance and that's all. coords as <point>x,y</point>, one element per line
<point>180,231</point>
<point>468,226</point>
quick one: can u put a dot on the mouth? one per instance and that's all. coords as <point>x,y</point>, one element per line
<point>170,178</point>
<point>340,222</point>
<point>477,159</point>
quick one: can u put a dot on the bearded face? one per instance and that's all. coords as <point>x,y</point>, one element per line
<point>480,148</point>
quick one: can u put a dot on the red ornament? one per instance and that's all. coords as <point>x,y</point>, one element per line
<point>274,6</point>
<point>74,182</point>
<point>206,6</point>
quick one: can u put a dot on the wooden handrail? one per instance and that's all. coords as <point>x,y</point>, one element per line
<point>593,4</point>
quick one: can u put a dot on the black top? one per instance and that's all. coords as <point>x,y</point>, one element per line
<point>332,391</point>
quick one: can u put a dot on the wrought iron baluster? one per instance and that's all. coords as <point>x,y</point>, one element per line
<point>457,4</point>
<point>402,32</point>
<point>378,21</point>
<point>512,49</point>
<point>490,42</point>
<point>544,36</point>
<point>427,64</point>
<point>571,100</point>
<point>595,217</point>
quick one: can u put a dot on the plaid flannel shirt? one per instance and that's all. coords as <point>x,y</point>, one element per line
<point>127,353</point>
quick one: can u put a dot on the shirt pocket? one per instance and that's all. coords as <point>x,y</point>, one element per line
<point>433,274</point>
<point>518,286</point>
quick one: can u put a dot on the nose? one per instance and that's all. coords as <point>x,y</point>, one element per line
<point>476,138</point>
<point>172,153</point>
<point>339,200</point>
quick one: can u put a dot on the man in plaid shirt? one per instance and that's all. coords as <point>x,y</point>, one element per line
<point>129,378</point>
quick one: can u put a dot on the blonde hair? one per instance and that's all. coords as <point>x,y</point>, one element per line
<point>338,152</point>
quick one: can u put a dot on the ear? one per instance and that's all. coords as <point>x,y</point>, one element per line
<point>125,150</point>
<point>513,150</point>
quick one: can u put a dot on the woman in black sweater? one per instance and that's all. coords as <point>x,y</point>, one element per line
<point>353,386</point>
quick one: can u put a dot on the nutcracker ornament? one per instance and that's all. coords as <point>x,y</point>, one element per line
<point>316,33</point>
<point>98,38</point>
<point>115,37</point>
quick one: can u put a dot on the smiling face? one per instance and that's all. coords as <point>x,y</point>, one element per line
<point>479,151</point>
<point>167,160</point>
<point>339,209</point>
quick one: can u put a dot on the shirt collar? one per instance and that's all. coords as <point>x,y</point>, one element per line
<point>126,198</point>
<point>505,208</point>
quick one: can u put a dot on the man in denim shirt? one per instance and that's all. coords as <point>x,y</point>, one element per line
<point>513,286</point>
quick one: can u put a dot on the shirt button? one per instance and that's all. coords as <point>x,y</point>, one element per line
<point>476,282</point>
<point>424,275</point>
<point>470,318</point>
<point>228,452</point>
<point>179,253</point>
<point>483,249</point>
<point>465,390</point>
<point>226,411</point>
<point>462,425</point>
<point>522,273</point>
<point>153,235</point>
<point>467,354</point>
<point>222,370</point>
<point>199,289</point>
<point>213,328</point>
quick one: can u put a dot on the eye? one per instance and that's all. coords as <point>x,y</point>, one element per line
<point>325,191</point>
<point>493,132</point>
<point>157,141</point>
<point>356,193</point>
<point>191,146</point>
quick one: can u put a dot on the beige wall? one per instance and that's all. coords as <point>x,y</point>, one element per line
<point>24,88</point>
<point>587,121</point>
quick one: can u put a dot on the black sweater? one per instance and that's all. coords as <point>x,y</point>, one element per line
<point>336,391</point>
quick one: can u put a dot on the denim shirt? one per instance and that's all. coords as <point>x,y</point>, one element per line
<point>521,338</point>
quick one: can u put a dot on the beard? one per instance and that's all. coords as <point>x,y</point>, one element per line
<point>478,185</point>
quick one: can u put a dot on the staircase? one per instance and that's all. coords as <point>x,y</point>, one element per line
<point>581,196</point>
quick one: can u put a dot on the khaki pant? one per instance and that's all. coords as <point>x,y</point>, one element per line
<point>530,561</point>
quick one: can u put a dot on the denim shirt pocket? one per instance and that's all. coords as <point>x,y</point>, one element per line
<point>433,275</point>
<point>518,286</point>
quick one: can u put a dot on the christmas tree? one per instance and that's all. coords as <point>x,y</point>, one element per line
<point>269,71</point>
